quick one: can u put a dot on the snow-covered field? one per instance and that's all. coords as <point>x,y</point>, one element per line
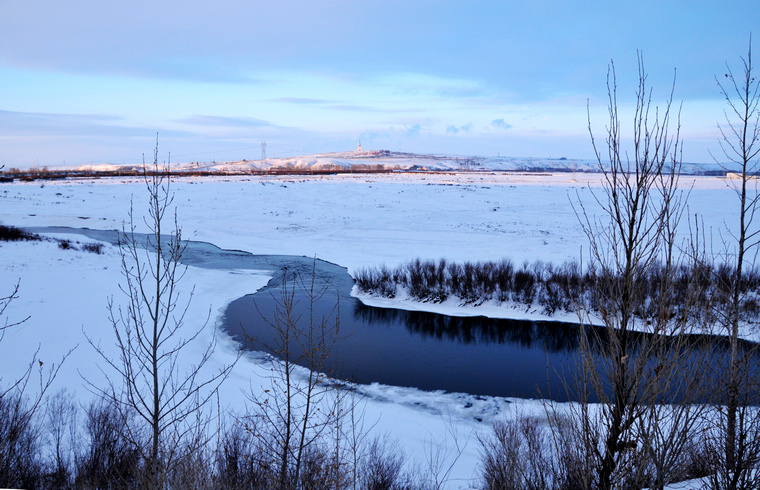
<point>352,220</point>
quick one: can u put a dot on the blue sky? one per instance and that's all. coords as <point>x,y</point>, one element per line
<point>91,81</point>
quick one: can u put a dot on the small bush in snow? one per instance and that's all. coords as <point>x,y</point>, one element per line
<point>13,234</point>
<point>65,245</point>
<point>96,248</point>
<point>520,454</point>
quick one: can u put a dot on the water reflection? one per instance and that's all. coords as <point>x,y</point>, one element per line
<point>477,355</point>
<point>552,336</point>
<point>473,355</point>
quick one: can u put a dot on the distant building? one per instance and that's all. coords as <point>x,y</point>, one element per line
<point>360,146</point>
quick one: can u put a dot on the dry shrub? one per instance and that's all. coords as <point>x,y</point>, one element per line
<point>520,454</point>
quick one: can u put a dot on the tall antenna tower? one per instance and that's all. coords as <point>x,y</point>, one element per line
<point>263,150</point>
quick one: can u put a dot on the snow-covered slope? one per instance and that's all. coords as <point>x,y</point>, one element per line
<point>383,160</point>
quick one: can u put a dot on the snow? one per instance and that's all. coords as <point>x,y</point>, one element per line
<point>454,307</point>
<point>355,220</point>
<point>389,160</point>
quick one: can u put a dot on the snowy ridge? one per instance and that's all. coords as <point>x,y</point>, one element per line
<point>384,160</point>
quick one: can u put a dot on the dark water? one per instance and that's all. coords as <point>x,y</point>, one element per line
<point>475,355</point>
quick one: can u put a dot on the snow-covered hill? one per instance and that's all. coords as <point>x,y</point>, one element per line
<point>384,160</point>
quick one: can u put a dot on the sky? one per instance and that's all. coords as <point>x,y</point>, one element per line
<point>84,81</point>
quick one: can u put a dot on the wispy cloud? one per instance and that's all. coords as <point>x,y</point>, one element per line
<point>304,101</point>
<point>424,85</point>
<point>51,117</point>
<point>333,104</point>
<point>225,121</point>
<point>21,123</point>
<point>460,91</point>
<point>354,108</point>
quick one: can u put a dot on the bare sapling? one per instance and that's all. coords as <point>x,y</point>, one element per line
<point>161,379</point>
<point>738,422</point>
<point>636,368</point>
<point>295,409</point>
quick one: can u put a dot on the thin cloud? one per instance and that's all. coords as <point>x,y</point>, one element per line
<point>354,108</point>
<point>56,117</point>
<point>501,124</point>
<point>304,101</point>
<point>226,122</point>
<point>460,92</point>
<point>336,105</point>
<point>35,123</point>
<point>451,129</point>
<point>413,130</point>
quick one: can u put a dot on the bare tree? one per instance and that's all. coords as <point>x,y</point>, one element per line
<point>61,425</point>
<point>738,422</point>
<point>152,339</point>
<point>633,368</point>
<point>295,409</point>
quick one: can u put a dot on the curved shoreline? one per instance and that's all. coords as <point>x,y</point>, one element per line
<point>454,307</point>
<point>516,311</point>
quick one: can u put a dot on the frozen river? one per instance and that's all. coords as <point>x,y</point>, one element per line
<point>428,351</point>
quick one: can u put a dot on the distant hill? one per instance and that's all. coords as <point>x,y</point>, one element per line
<point>366,161</point>
<point>389,160</point>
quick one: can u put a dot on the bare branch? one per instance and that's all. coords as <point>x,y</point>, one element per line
<point>151,380</point>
